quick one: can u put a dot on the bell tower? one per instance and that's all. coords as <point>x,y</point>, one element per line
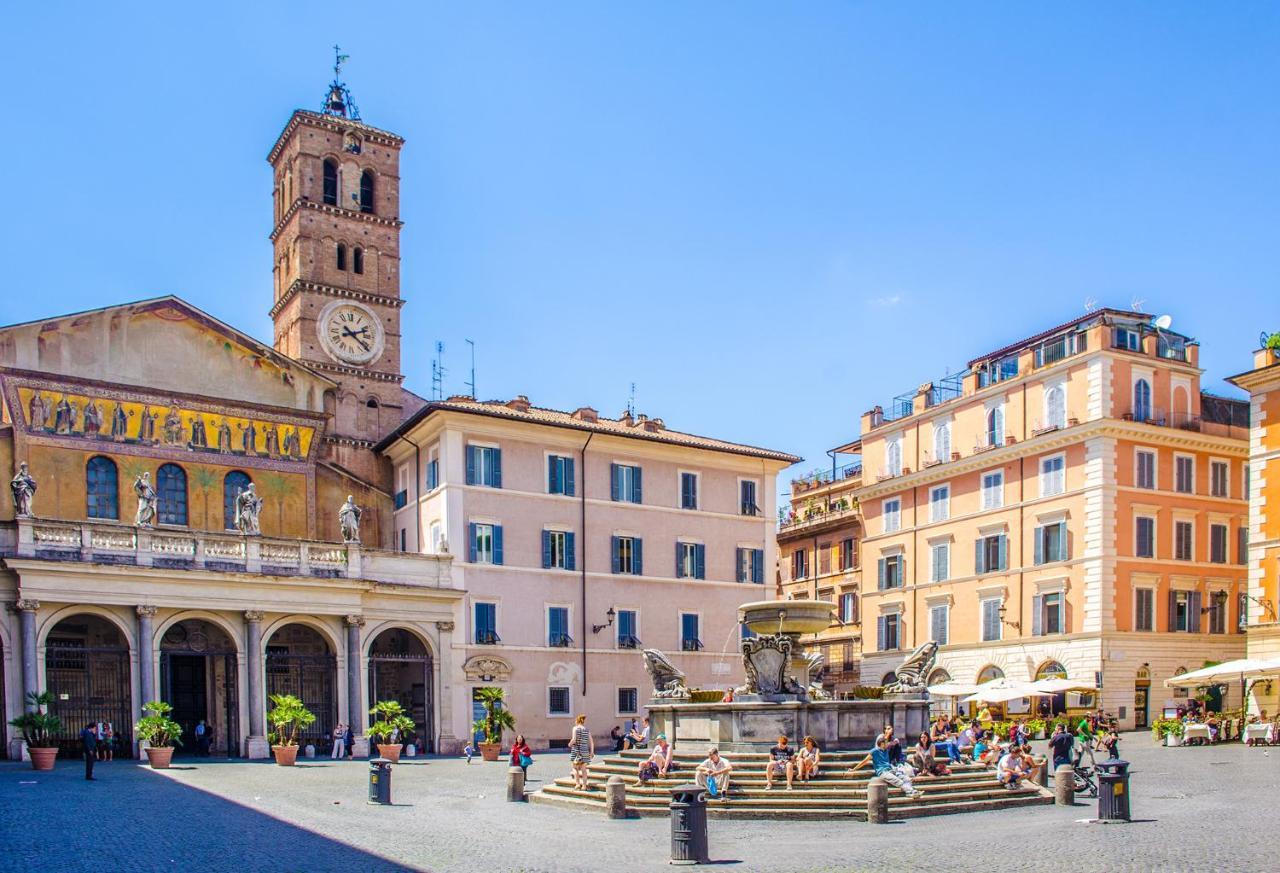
<point>336,239</point>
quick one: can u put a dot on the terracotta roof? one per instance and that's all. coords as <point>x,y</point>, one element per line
<point>636,429</point>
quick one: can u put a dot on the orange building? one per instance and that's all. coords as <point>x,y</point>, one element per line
<point>1072,504</point>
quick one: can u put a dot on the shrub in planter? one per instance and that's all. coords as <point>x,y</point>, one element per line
<point>287,716</point>
<point>160,733</point>
<point>39,729</point>
<point>496,719</point>
<point>391,721</point>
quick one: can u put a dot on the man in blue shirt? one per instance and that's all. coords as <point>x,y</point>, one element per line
<point>89,740</point>
<point>879,761</point>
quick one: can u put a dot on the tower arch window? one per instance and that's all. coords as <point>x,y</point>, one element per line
<point>330,182</point>
<point>232,484</point>
<point>102,488</point>
<point>341,259</point>
<point>366,191</point>
<point>171,489</point>
<point>357,260</point>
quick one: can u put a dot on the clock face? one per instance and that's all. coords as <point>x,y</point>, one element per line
<point>350,333</point>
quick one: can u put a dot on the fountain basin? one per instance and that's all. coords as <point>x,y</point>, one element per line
<point>787,616</point>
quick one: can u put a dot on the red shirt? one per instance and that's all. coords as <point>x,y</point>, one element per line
<point>517,751</point>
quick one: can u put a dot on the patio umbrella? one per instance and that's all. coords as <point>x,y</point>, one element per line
<point>952,689</point>
<point>1062,686</point>
<point>1002,691</point>
<point>1241,669</point>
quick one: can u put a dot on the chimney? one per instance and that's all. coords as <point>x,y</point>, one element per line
<point>460,398</point>
<point>587,414</point>
<point>519,404</point>
<point>626,418</point>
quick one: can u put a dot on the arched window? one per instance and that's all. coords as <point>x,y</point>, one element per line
<point>366,191</point>
<point>372,403</point>
<point>342,257</point>
<point>1051,670</point>
<point>232,484</point>
<point>171,488</point>
<point>995,426</point>
<point>942,441</point>
<point>990,672</point>
<point>1055,407</point>
<point>102,488</point>
<point>331,182</point>
<point>1141,400</point>
<point>357,260</point>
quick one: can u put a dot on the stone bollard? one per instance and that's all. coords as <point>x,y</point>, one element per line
<point>878,801</point>
<point>1064,785</point>
<point>615,797</point>
<point>1040,775</point>
<point>515,785</point>
<point>309,751</point>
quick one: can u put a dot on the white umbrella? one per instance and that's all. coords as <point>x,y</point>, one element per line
<point>952,689</point>
<point>1061,686</point>
<point>1002,691</point>
<point>1239,669</point>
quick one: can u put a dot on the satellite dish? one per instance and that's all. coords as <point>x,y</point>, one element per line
<point>1164,322</point>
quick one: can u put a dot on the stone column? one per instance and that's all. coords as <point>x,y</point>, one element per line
<point>30,674</point>
<point>258,746</point>
<point>355,702</point>
<point>448,743</point>
<point>146,656</point>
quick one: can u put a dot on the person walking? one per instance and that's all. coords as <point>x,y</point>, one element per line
<point>202,739</point>
<point>1060,745</point>
<point>582,748</point>
<point>521,754</point>
<point>348,742</point>
<point>89,742</point>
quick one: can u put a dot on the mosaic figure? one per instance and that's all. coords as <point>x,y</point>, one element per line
<point>64,416</point>
<point>147,425</point>
<point>224,436</point>
<point>173,427</point>
<point>292,445</point>
<point>119,422</point>
<point>272,437</point>
<point>199,438</point>
<point>92,418</point>
<point>38,412</point>
<point>249,439</point>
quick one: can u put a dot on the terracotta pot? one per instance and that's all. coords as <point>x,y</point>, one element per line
<point>490,751</point>
<point>285,755</point>
<point>390,751</point>
<point>42,758</point>
<point>159,756</point>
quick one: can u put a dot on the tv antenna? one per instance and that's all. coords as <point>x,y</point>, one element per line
<point>1136,304</point>
<point>472,383</point>
<point>631,400</point>
<point>438,373</point>
<point>1090,304</point>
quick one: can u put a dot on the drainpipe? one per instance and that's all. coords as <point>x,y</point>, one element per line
<point>417,487</point>
<point>582,564</point>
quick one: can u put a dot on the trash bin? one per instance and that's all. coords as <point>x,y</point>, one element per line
<point>380,781</point>
<point>1113,790</point>
<point>688,825</point>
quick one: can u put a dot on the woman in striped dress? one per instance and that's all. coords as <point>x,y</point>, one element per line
<point>582,748</point>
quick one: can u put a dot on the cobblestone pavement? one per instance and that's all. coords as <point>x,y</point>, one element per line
<point>1198,809</point>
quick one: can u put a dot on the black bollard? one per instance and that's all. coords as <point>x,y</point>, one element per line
<point>688,825</point>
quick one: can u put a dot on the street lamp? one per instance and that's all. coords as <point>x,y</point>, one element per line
<point>1016,625</point>
<point>611,615</point>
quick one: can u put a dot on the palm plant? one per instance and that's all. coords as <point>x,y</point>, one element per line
<point>496,718</point>
<point>204,479</point>
<point>157,728</point>
<point>288,715</point>
<point>391,718</point>
<point>39,727</point>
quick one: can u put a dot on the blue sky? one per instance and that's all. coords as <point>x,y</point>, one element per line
<point>770,217</point>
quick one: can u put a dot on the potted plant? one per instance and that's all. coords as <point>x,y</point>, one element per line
<point>1037,727</point>
<point>496,719</point>
<point>391,724</point>
<point>160,733</point>
<point>39,729</point>
<point>287,716</point>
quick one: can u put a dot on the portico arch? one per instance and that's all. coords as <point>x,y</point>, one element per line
<point>300,659</point>
<point>402,668</point>
<point>200,678</point>
<point>88,670</point>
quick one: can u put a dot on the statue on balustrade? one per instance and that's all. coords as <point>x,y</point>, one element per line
<point>147,499</point>
<point>24,492</point>
<point>248,507</point>
<point>349,520</point>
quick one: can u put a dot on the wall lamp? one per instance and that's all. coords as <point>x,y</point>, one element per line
<point>611,615</point>
<point>1016,625</point>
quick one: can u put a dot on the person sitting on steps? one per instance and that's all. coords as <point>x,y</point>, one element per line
<point>899,777</point>
<point>780,761</point>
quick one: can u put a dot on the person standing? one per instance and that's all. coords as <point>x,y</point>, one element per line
<point>108,742</point>
<point>89,743</point>
<point>582,748</point>
<point>202,732</point>
<point>1060,745</point>
<point>348,742</point>
<point>339,742</point>
<point>521,755</point>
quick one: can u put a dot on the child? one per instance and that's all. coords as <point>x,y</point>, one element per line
<point>470,752</point>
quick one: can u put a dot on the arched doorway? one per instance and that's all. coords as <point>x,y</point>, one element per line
<point>1141,696</point>
<point>198,678</point>
<point>400,670</point>
<point>86,669</point>
<point>1058,702</point>
<point>300,662</point>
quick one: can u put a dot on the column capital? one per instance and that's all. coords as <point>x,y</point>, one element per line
<point>146,610</point>
<point>444,626</point>
<point>27,604</point>
<point>253,615</point>
<point>354,620</point>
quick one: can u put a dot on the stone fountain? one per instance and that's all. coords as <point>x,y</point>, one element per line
<point>779,696</point>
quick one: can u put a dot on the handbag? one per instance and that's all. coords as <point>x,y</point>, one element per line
<point>525,760</point>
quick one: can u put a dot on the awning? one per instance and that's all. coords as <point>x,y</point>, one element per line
<point>1228,671</point>
<point>952,689</point>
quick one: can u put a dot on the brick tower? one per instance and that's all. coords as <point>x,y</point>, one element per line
<point>336,237</point>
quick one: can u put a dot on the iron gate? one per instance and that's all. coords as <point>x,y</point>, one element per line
<point>89,685</point>
<point>421,704</point>
<point>310,678</point>
<point>230,702</point>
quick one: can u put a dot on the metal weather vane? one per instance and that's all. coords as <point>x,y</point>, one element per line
<point>338,99</point>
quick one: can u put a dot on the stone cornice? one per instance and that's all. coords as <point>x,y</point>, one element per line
<point>353,214</point>
<point>1104,427</point>
<point>358,372</point>
<point>335,125</point>
<point>301,285</point>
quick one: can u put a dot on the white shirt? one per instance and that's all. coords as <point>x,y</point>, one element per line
<point>716,767</point>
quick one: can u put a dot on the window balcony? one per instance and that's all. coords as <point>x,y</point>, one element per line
<point>629,641</point>
<point>488,638</point>
<point>560,641</point>
<point>691,645</point>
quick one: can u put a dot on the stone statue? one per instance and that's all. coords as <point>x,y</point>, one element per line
<point>119,422</point>
<point>248,507</point>
<point>912,674</point>
<point>24,492</point>
<point>816,662</point>
<point>272,439</point>
<point>349,520</point>
<point>147,425</point>
<point>199,438</point>
<point>249,439</point>
<point>292,445</point>
<point>92,418</point>
<point>173,427</point>
<point>39,412</point>
<point>147,500</point>
<point>766,659</point>
<point>64,416</point>
<point>668,679</point>
<point>224,436</point>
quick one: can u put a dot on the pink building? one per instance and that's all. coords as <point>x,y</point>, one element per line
<point>580,540</point>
